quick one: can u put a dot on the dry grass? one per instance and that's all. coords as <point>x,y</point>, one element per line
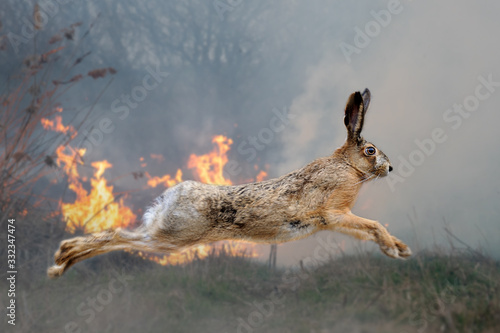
<point>431,292</point>
<point>28,100</point>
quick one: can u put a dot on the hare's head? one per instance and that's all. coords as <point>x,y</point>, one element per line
<point>361,154</point>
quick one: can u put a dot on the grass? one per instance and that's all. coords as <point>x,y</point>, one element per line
<point>431,292</point>
<point>434,291</point>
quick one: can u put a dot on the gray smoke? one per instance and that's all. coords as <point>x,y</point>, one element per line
<point>230,68</point>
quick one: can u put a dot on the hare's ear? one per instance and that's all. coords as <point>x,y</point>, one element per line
<point>355,110</point>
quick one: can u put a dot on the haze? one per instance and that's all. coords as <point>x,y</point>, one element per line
<point>233,68</point>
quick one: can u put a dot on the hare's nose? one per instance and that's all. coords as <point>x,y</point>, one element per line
<point>390,168</point>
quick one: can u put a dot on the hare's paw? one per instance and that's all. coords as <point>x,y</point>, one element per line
<point>56,271</point>
<point>390,250</point>
<point>67,250</point>
<point>404,250</point>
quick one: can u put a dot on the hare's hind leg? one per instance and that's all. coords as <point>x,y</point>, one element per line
<point>365,229</point>
<point>77,249</point>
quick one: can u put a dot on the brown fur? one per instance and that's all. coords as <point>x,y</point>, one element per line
<point>317,197</point>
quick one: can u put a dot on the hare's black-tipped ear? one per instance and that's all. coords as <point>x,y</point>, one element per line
<point>355,110</point>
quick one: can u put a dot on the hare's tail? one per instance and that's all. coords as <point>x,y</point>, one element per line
<point>77,249</point>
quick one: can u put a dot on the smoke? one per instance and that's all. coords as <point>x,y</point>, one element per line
<point>429,58</point>
<point>228,71</point>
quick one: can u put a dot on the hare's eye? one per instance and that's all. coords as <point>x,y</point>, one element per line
<point>370,151</point>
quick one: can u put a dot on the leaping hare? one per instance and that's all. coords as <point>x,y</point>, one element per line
<point>317,197</point>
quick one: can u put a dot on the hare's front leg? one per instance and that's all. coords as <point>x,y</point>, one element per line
<point>365,229</point>
<point>404,250</point>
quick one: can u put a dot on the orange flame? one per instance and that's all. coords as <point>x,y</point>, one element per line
<point>261,176</point>
<point>208,168</point>
<point>166,180</point>
<point>93,210</point>
<point>158,157</point>
<point>98,209</point>
<point>230,248</point>
<point>70,160</point>
<point>56,125</point>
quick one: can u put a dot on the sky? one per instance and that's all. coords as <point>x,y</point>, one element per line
<point>229,68</point>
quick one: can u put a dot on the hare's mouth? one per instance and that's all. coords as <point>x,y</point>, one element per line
<point>382,172</point>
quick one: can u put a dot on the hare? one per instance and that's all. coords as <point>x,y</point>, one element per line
<point>316,197</point>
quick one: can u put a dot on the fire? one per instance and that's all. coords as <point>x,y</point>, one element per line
<point>261,176</point>
<point>93,210</point>
<point>98,208</point>
<point>231,248</point>
<point>56,125</point>
<point>166,180</point>
<point>208,168</point>
<point>158,157</point>
<point>70,160</point>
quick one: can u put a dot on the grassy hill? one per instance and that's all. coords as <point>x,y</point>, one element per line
<point>364,293</point>
<point>458,291</point>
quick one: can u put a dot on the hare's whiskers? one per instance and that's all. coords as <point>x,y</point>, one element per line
<point>364,180</point>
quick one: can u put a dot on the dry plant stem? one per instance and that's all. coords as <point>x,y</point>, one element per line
<point>25,146</point>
